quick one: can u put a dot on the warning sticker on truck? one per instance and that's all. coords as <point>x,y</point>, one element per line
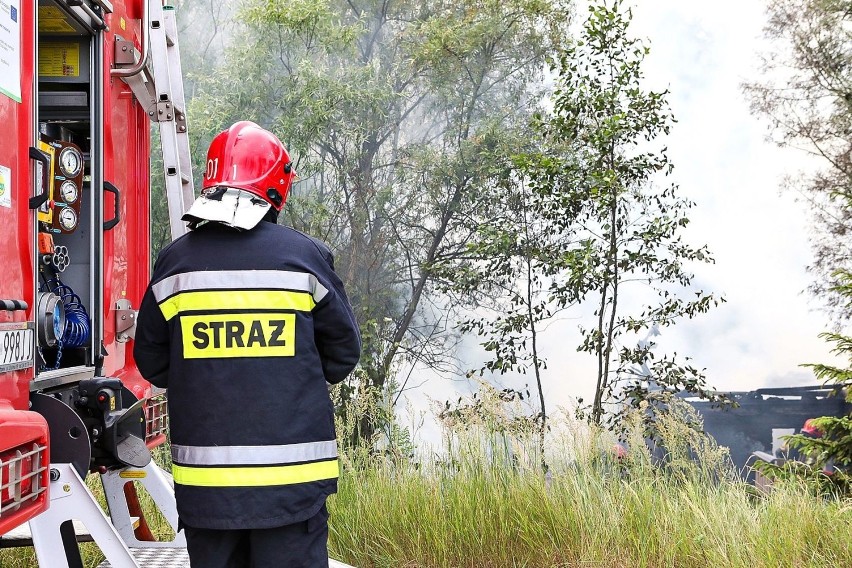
<point>59,59</point>
<point>52,20</point>
<point>5,187</point>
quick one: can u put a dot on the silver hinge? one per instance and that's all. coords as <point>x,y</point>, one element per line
<point>125,321</point>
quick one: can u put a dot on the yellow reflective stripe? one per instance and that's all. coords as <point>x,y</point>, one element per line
<point>237,300</point>
<point>209,336</point>
<point>255,476</point>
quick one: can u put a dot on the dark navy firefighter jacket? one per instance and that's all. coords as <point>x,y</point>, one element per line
<point>245,329</point>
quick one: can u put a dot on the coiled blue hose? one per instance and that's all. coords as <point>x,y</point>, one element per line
<point>78,326</point>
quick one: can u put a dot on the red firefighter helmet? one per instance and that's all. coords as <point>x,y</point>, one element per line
<point>248,157</point>
<point>811,429</point>
<point>248,171</point>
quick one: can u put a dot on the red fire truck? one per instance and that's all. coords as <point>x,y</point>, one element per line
<point>81,82</point>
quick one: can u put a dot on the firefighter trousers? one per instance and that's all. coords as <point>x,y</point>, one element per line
<point>300,545</point>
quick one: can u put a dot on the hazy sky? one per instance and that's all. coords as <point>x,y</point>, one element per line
<point>701,52</point>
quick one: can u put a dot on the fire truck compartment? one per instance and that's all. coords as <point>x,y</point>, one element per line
<point>69,97</point>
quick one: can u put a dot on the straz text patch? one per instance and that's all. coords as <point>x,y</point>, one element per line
<point>239,335</point>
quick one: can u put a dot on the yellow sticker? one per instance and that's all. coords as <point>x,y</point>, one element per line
<point>132,474</point>
<point>213,336</point>
<point>123,23</point>
<point>59,59</point>
<point>53,20</point>
<point>54,26</point>
<point>50,13</point>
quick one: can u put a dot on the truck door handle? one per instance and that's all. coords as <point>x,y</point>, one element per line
<point>37,201</point>
<point>117,217</point>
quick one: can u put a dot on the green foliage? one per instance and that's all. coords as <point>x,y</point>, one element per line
<point>504,273</point>
<point>160,231</point>
<point>832,448</point>
<point>596,185</point>
<point>825,460</point>
<point>809,476</point>
<point>494,423</point>
<point>578,218</point>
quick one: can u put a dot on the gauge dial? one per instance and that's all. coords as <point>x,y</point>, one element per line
<point>70,161</point>
<point>68,191</point>
<point>67,219</point>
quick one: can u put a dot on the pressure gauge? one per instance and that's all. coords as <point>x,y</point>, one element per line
<point>70,161</point>
<point>67,219</point>
<point>68,191</point>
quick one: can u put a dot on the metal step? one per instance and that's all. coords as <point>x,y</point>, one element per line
<point>147,557</point>
<point>157,558</point>
<point>176,558</point>
<point>21,535</point>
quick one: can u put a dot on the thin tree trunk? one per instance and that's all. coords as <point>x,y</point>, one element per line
<point>534,335</point>
<point>597,405</point>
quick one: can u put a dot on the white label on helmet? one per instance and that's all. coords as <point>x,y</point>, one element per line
<point>212,168</point>
<point>234,177</point>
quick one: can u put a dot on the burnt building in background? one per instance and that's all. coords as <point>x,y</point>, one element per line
<point>764,416</point>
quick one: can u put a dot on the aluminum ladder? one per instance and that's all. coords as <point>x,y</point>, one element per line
<point>156,79</point>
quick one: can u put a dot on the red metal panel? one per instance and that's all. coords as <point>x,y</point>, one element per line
<point>16,221</point>
<point>18,426</point>
<point>126,165</point>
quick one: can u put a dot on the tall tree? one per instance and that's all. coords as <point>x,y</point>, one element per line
<point>602,181</point>
<point>805,92</point>
<point>581,219</point>
<point>394,109</point>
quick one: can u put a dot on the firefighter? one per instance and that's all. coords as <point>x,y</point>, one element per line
<point>245,321</point>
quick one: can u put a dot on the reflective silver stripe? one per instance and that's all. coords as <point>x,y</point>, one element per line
<point>254,455</point>
<point>239,280</point>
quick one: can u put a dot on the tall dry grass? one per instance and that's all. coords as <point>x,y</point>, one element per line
<point>487,503</point>
<point>482,501</point>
